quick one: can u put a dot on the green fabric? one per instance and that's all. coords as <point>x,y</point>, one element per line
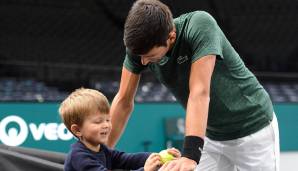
<point>239,105</point>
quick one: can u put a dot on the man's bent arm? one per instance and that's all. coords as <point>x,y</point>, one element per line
<point>122,105</point>
<point>199,96</point>
<point>196,114</point>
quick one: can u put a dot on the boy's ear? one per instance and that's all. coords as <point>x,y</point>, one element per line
<point>75,129</point>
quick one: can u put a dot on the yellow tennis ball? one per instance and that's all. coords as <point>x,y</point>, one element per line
<point>165,156</point>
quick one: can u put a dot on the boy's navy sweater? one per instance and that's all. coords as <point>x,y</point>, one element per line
<point>81,158</point>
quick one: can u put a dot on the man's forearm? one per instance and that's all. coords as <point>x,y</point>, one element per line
<point>196,123</point>
<point>120,112</point>
<point>197,115</point>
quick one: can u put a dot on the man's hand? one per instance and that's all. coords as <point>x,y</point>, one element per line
<point>181,164</point>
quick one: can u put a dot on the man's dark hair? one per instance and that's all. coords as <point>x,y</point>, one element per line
<point>148,24</point>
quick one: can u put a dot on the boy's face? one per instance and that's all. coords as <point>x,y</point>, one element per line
<point>95,129</point>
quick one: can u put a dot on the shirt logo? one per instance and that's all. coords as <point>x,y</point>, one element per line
<point>200,149</point>
<point>182,59</point>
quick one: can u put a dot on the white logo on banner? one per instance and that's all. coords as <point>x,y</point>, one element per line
<point>13,137</point>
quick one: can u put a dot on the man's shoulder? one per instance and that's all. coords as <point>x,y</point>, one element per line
<point>201,15</point>
<point>196,20</point>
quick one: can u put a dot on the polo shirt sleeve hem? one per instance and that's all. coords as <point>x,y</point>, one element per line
<point>197,56</point>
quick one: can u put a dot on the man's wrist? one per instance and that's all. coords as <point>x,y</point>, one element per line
<point>193,147</point>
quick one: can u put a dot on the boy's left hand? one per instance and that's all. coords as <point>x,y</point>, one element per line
<point>153,162</point>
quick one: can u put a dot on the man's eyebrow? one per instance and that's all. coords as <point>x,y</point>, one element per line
<point>144,56</point>
<point>149,55</point>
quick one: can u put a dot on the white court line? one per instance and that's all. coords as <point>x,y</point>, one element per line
<point>289,161</point>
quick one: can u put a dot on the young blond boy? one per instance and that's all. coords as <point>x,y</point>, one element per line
<point>85,112</point>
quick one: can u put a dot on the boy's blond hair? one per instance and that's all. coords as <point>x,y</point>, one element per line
<point>81,103</point>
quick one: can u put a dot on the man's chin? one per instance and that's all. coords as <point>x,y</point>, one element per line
<point>157,61</point>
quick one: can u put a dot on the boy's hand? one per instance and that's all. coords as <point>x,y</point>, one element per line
<point>153,162</point>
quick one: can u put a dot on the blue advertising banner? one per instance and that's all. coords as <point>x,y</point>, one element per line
<point>35,125</point>
<point>38,125</point>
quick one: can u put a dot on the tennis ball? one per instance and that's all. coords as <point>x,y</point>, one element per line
<point>165,156</point>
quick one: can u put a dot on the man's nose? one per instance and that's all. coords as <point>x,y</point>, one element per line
<point>144,61</point>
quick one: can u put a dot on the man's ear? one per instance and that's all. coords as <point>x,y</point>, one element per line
<point>75,129</point>
<point>172,36</point>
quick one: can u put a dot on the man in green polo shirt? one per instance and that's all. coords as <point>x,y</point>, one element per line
<point>230,123</point>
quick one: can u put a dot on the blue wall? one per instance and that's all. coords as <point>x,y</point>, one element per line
<point>287,115</point>
<point>145,124</point>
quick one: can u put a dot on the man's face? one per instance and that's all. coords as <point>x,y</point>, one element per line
<point>155,54</point>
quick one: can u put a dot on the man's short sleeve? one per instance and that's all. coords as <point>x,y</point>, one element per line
<point>204,36</point>
<point>133,63</point>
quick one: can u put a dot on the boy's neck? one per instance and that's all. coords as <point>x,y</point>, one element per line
<point>91,147</point>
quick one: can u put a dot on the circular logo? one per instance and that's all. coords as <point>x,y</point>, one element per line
<point>12,137</point>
